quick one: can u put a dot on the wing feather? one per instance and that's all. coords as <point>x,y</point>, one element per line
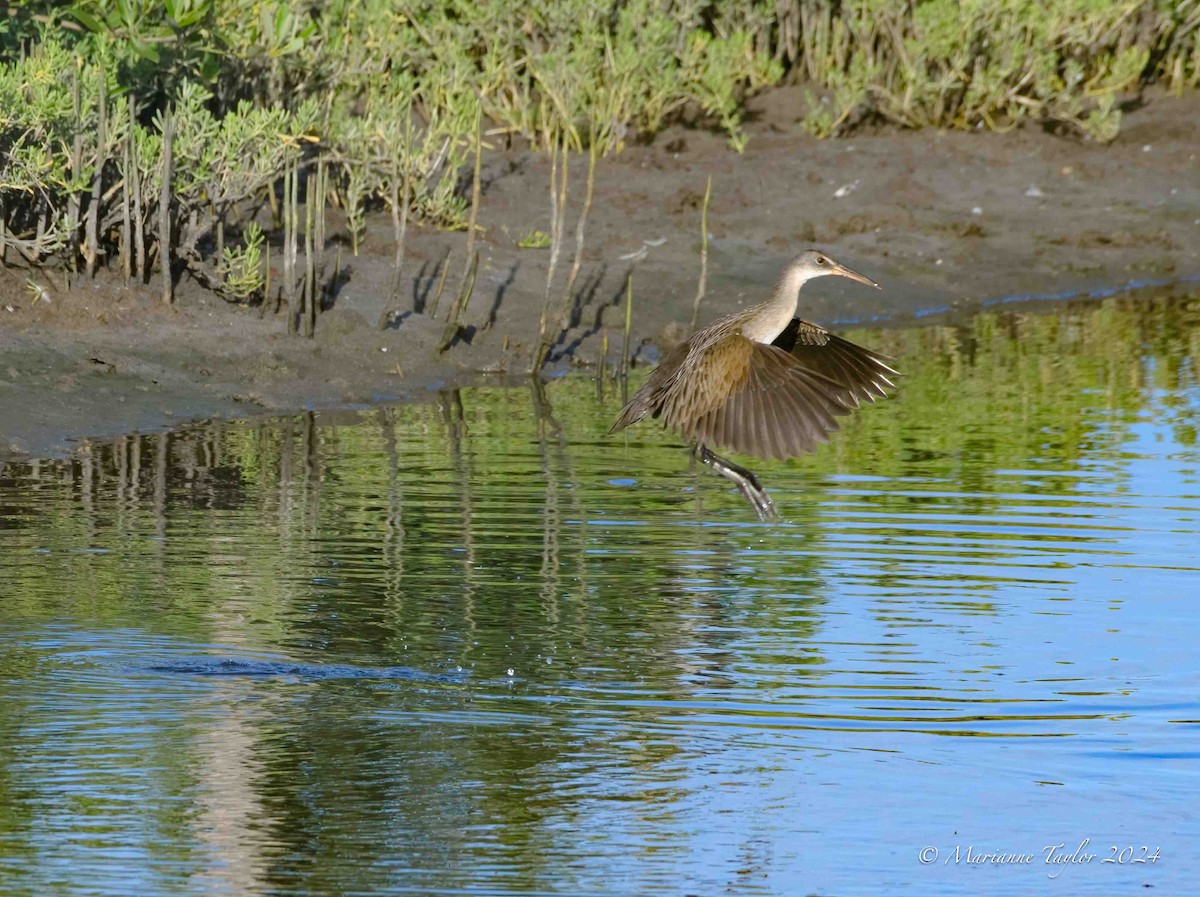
<point>781,410</point>
<point>776,401</point>
<point>862,373</point>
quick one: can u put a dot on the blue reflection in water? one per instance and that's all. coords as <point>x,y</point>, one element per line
<point>473,647</point>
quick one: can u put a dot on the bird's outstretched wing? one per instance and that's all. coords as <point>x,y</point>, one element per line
<point>778,409</point>
<point>776,401</point>
<point>863,374</point>
<point>649,397</point>
<point>689,384</point>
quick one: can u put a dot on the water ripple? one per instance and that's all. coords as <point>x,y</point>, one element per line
<point>363,653</point>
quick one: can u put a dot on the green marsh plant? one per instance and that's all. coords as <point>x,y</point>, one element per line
<point>133,134</point>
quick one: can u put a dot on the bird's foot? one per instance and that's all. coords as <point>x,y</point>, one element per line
<point>762,504</point>
<point>746,482</point>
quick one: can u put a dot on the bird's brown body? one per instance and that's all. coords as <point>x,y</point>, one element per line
<point>762,382</point>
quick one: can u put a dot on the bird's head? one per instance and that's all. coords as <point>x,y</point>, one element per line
<point>815,263</point>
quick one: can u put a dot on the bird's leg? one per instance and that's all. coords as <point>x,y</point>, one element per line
<point>746,481</point>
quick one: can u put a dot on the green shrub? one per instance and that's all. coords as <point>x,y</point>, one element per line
<point>390,99</point>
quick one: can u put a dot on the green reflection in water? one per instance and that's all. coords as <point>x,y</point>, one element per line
<point>370,651</point>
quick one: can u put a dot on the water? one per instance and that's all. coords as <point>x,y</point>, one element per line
<point>476,647</point>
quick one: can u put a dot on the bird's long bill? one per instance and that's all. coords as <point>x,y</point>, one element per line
<point>840,269</point>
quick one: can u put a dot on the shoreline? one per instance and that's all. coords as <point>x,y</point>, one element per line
<point>949,223</point>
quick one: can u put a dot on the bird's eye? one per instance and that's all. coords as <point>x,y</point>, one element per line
<point>820,259</point>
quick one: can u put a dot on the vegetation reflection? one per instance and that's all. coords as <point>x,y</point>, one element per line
<point>476,558</point>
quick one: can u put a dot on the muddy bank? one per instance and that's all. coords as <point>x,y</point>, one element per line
<point>942,220</point>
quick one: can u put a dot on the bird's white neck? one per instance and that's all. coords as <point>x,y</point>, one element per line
<point>769,319</point>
